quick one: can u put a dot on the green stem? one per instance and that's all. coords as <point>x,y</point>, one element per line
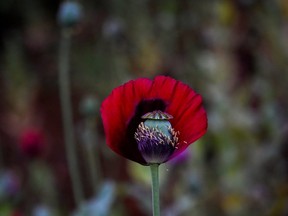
<point>93,168</point>
<point>67,116</point>
<point>92,154</point>
<point>155,189</point>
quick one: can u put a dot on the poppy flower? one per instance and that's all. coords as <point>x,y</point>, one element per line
<point>152,121</point>
<point>32,142</point>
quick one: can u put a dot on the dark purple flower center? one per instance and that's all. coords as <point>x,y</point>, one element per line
<point>142,108</point>
<point>156,138</point>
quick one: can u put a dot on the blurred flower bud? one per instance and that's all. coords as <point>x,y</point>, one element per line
<point>32,143</point>
<point>89,106</point>
<point>69,13</point>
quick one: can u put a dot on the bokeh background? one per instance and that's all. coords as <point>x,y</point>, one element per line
<point>233,52</point>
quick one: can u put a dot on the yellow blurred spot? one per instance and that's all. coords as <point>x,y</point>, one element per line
<point>226,12</point>
<point>284,7</point>
<point>233,202</point>
<point>149,58</point>
<point>139,173</point>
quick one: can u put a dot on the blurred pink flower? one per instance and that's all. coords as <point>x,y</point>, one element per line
<point>32,142</point>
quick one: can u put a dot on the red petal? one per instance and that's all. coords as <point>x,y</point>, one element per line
<point>163,87</point>
<point>185,105</point>
<point>117,110</point>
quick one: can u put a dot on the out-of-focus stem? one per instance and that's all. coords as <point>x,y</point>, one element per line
<point>67,116</point>
<point>93,155</point>
<point>93,168</point>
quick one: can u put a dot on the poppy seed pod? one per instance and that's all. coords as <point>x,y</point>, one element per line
<point>156,138</point>
<point>69,14</point>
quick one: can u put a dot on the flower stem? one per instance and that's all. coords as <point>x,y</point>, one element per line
<point>67,116</point>
<point>92,153</point>
<point>154,168</point>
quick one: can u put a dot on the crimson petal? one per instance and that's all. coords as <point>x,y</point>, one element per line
<point>185,105</point>
<point>117,110</point>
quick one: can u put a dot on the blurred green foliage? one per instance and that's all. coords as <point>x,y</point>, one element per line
<point>233,52</point>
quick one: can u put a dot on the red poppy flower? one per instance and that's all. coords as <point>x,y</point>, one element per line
<point>152,121</point>
<point>32,142</point>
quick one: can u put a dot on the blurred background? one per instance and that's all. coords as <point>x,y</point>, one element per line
<point>233,52</point>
